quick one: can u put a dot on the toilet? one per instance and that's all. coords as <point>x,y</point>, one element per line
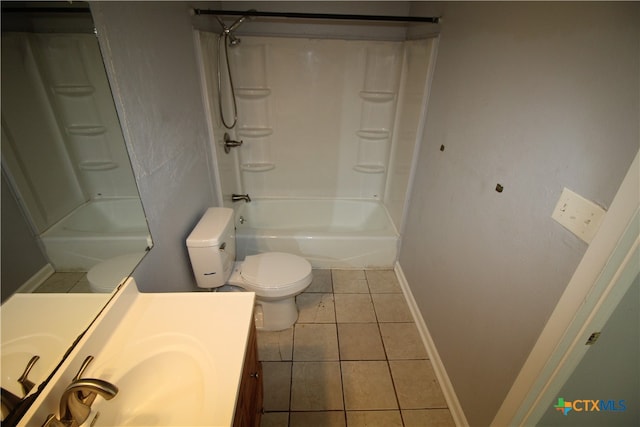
<point>275,277</point>
<point>105,276</point>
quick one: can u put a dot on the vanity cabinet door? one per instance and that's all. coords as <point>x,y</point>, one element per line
<point>249,405</point>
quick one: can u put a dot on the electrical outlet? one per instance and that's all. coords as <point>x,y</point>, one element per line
<point>580,216</point>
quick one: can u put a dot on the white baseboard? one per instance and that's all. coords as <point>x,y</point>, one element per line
<point>36,280</point>
<point>441,374</point>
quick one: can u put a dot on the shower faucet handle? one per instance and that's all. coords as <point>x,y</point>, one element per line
<point>229,143</point>
<point>238,197</point>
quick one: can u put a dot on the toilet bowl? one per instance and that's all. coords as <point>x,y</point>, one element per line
<point>275,277</point>
<point>105,276</point>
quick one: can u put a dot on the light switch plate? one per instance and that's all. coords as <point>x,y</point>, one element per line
<point>580,216</point>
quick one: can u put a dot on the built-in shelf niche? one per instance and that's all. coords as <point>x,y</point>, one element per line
<point>86,130</point>
<point>377,110</point>
<point>372,151</point>
<point>377,96</point>
<point>252,92</point>
<point>257,167</point>
<point>255,142</point>
<point>73,90</point>
<point>254,154</point>
<point>369,168</point>
<point>373,135</point>
<point>98,166</point>
<point>254,132</point>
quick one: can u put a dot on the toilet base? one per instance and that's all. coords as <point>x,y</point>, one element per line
<point>275,315</point>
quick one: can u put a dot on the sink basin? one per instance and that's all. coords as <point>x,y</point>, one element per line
<point>176,359</point>
<point>166,379</point>
<point>16,354</point>
<point>39,324</point>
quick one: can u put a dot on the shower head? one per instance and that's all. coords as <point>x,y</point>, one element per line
<point>228,31</point>
<point>233,40</point>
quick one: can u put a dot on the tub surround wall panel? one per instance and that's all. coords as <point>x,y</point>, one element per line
<point>72,69</point>
<point>58,81</point>
<point>152,64</point>
<point>535,97</point>
<point>22,257</point>
<point>316,115</point>
<point>43,173</point>
<point>319,153</point>
<point>226,164</point>
<point>412,97</point>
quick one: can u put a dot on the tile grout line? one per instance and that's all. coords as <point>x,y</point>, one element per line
<point>386,354</point>
<point>335,317</point>
<point>386,359</point>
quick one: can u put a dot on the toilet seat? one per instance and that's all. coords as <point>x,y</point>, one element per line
<point>275,274</point>
<point>105,276</point>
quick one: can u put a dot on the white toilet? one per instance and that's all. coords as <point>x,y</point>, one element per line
<point>104,277</point>
<point>275,277</point>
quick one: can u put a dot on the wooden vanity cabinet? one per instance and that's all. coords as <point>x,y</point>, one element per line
<point>249,404</point>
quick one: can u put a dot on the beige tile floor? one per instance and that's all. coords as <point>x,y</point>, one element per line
<point>353,358</point>
<point>74,282</point>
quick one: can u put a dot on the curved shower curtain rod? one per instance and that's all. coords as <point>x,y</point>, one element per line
<point>326,16</point>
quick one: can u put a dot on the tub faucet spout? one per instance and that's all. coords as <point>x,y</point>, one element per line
<point>238,197</point>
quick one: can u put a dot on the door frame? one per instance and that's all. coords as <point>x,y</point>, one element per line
<point>592,294</point>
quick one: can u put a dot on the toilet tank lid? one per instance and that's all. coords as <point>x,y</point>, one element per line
<point>210,229</point>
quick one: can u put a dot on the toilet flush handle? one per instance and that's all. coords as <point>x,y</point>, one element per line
<point>223,245</point>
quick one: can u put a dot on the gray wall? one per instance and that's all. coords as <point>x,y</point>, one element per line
<point>151,58</point>
<point>533,96</point>
<point>536,97</point>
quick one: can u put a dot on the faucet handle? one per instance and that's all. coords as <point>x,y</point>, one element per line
<point>25,382</point>
<point>77,399</point>
<point>75,404</point>
<point>83,368</point>
<point>230,143</point>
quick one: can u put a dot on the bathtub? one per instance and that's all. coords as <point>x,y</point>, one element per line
<point>329,233</point>
<point>96,231</point>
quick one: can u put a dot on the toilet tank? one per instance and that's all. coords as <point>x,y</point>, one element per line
<point>212,247</point>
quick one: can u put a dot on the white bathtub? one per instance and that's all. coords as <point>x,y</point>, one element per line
<point>329,233</point>
<point>96,231</point>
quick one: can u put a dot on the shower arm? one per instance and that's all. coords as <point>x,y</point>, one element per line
<point>225,29</point>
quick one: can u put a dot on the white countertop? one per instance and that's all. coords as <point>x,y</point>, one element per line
<point>151,344</point>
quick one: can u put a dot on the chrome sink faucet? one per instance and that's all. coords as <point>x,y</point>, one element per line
<point>9,400</point>
<point>77,398</point>
<point>238,197</point>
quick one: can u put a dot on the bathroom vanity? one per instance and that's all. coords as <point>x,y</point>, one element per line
<point>250,397</point>
<point>175,359</point>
